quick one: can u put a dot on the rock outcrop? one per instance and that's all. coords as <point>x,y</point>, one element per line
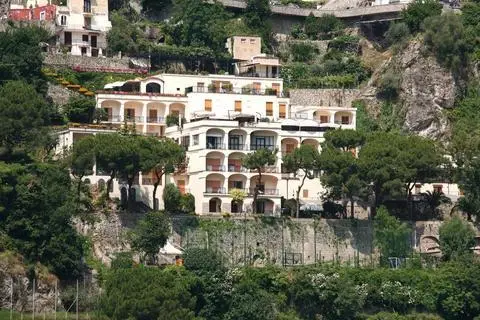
<point>426,90</point>
<point>4,7</point>
<point>14,277</point>
<point>59,94</point>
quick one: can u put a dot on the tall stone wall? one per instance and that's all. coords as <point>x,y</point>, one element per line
<point>268,240</point>
<point>324,97</point>
<point>66,60</point>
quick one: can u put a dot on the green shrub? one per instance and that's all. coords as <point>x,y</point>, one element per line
<point>80,109</point>
<point>123,260</point>
<point>397,33</point>
<point>172,120</point>
<point>187,203</point>
<point>325,27</point>
<point>340,81</point>
<point>302,51</point>
<point>417,11</point>
<point>389,85</point>
<point>345,43</point>
<point>149,293</point>
<point>202,261</point>
<point>456,239</point>
<point>445,38</point>
<point>171,198</point>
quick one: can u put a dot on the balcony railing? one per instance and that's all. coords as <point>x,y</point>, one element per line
<point>234,168</point>
<point>243,147</point>
<point>215,145</point>
<point>215,167</point>
<point>136,93</point>
<point>134,118</point>
<point>263,192</point>
<point>231,90</point>
<point>267,169</point>
<point>155,119</point>
<point>149,181</point>
<point>114,119</point>
<point>215,190</point>
<point>270,147</point>
<point>342,122</point>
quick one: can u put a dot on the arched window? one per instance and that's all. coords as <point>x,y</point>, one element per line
<point>153,87</point>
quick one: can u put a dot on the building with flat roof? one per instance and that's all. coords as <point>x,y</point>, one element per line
<point>81,25</point>
<point>219,119</point>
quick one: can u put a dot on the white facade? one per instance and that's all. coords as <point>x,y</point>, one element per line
<point>216,147</point>
<point>83,26</point>
<point>222,123</point>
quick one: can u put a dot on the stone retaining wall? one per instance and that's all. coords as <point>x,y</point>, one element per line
<point>65,60</point>
<point>324,97</point>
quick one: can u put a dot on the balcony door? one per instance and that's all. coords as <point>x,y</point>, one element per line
<point>109,113</point>
<point>93,41</point>
<point>214,142</point>
<point>68,38</point>
<point>235,142</point>
<point>129,114</point>
<point>152,115</point>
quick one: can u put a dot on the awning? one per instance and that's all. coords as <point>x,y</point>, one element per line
<point>169,249</point>
<point>114,85</point>
<point>311,205</point>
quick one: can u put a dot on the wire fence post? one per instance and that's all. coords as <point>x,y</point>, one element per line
<point>77,301</point>
<point>33,300</point>
<point>11,299</point>
<point>55,304</point>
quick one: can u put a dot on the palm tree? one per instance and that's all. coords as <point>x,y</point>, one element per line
<point>434,199</point>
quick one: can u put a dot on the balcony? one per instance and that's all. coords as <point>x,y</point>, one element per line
<point>263,192</point>
<point>230,90</point>
<point>267,169</point>
<point>254,147</point>
<point>210,190</point>
<point>215,168</point>
<point>134,119</point>
<point>242,147</point>
<point>215,145</point>
<point>155,119</point>
<point>114,119</point>
<point>233,168</point>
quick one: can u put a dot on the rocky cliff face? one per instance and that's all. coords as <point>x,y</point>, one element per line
<point>4,6</point>
<point>14,277</point>
<point>426,90</point>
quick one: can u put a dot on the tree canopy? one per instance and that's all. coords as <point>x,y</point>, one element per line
<point>151,234</point>
<point>304,159</point>
<point>257,161</point>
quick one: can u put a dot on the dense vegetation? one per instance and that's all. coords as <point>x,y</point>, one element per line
<point>40,195</point>
<point>207,289</point>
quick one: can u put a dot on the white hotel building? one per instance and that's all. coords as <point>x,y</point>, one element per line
<point>225,117</point>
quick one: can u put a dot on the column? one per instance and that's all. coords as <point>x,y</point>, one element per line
<point>144,117</point>
<point>167,110</point>
<point>332,117</point>
<point>121,115</point>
